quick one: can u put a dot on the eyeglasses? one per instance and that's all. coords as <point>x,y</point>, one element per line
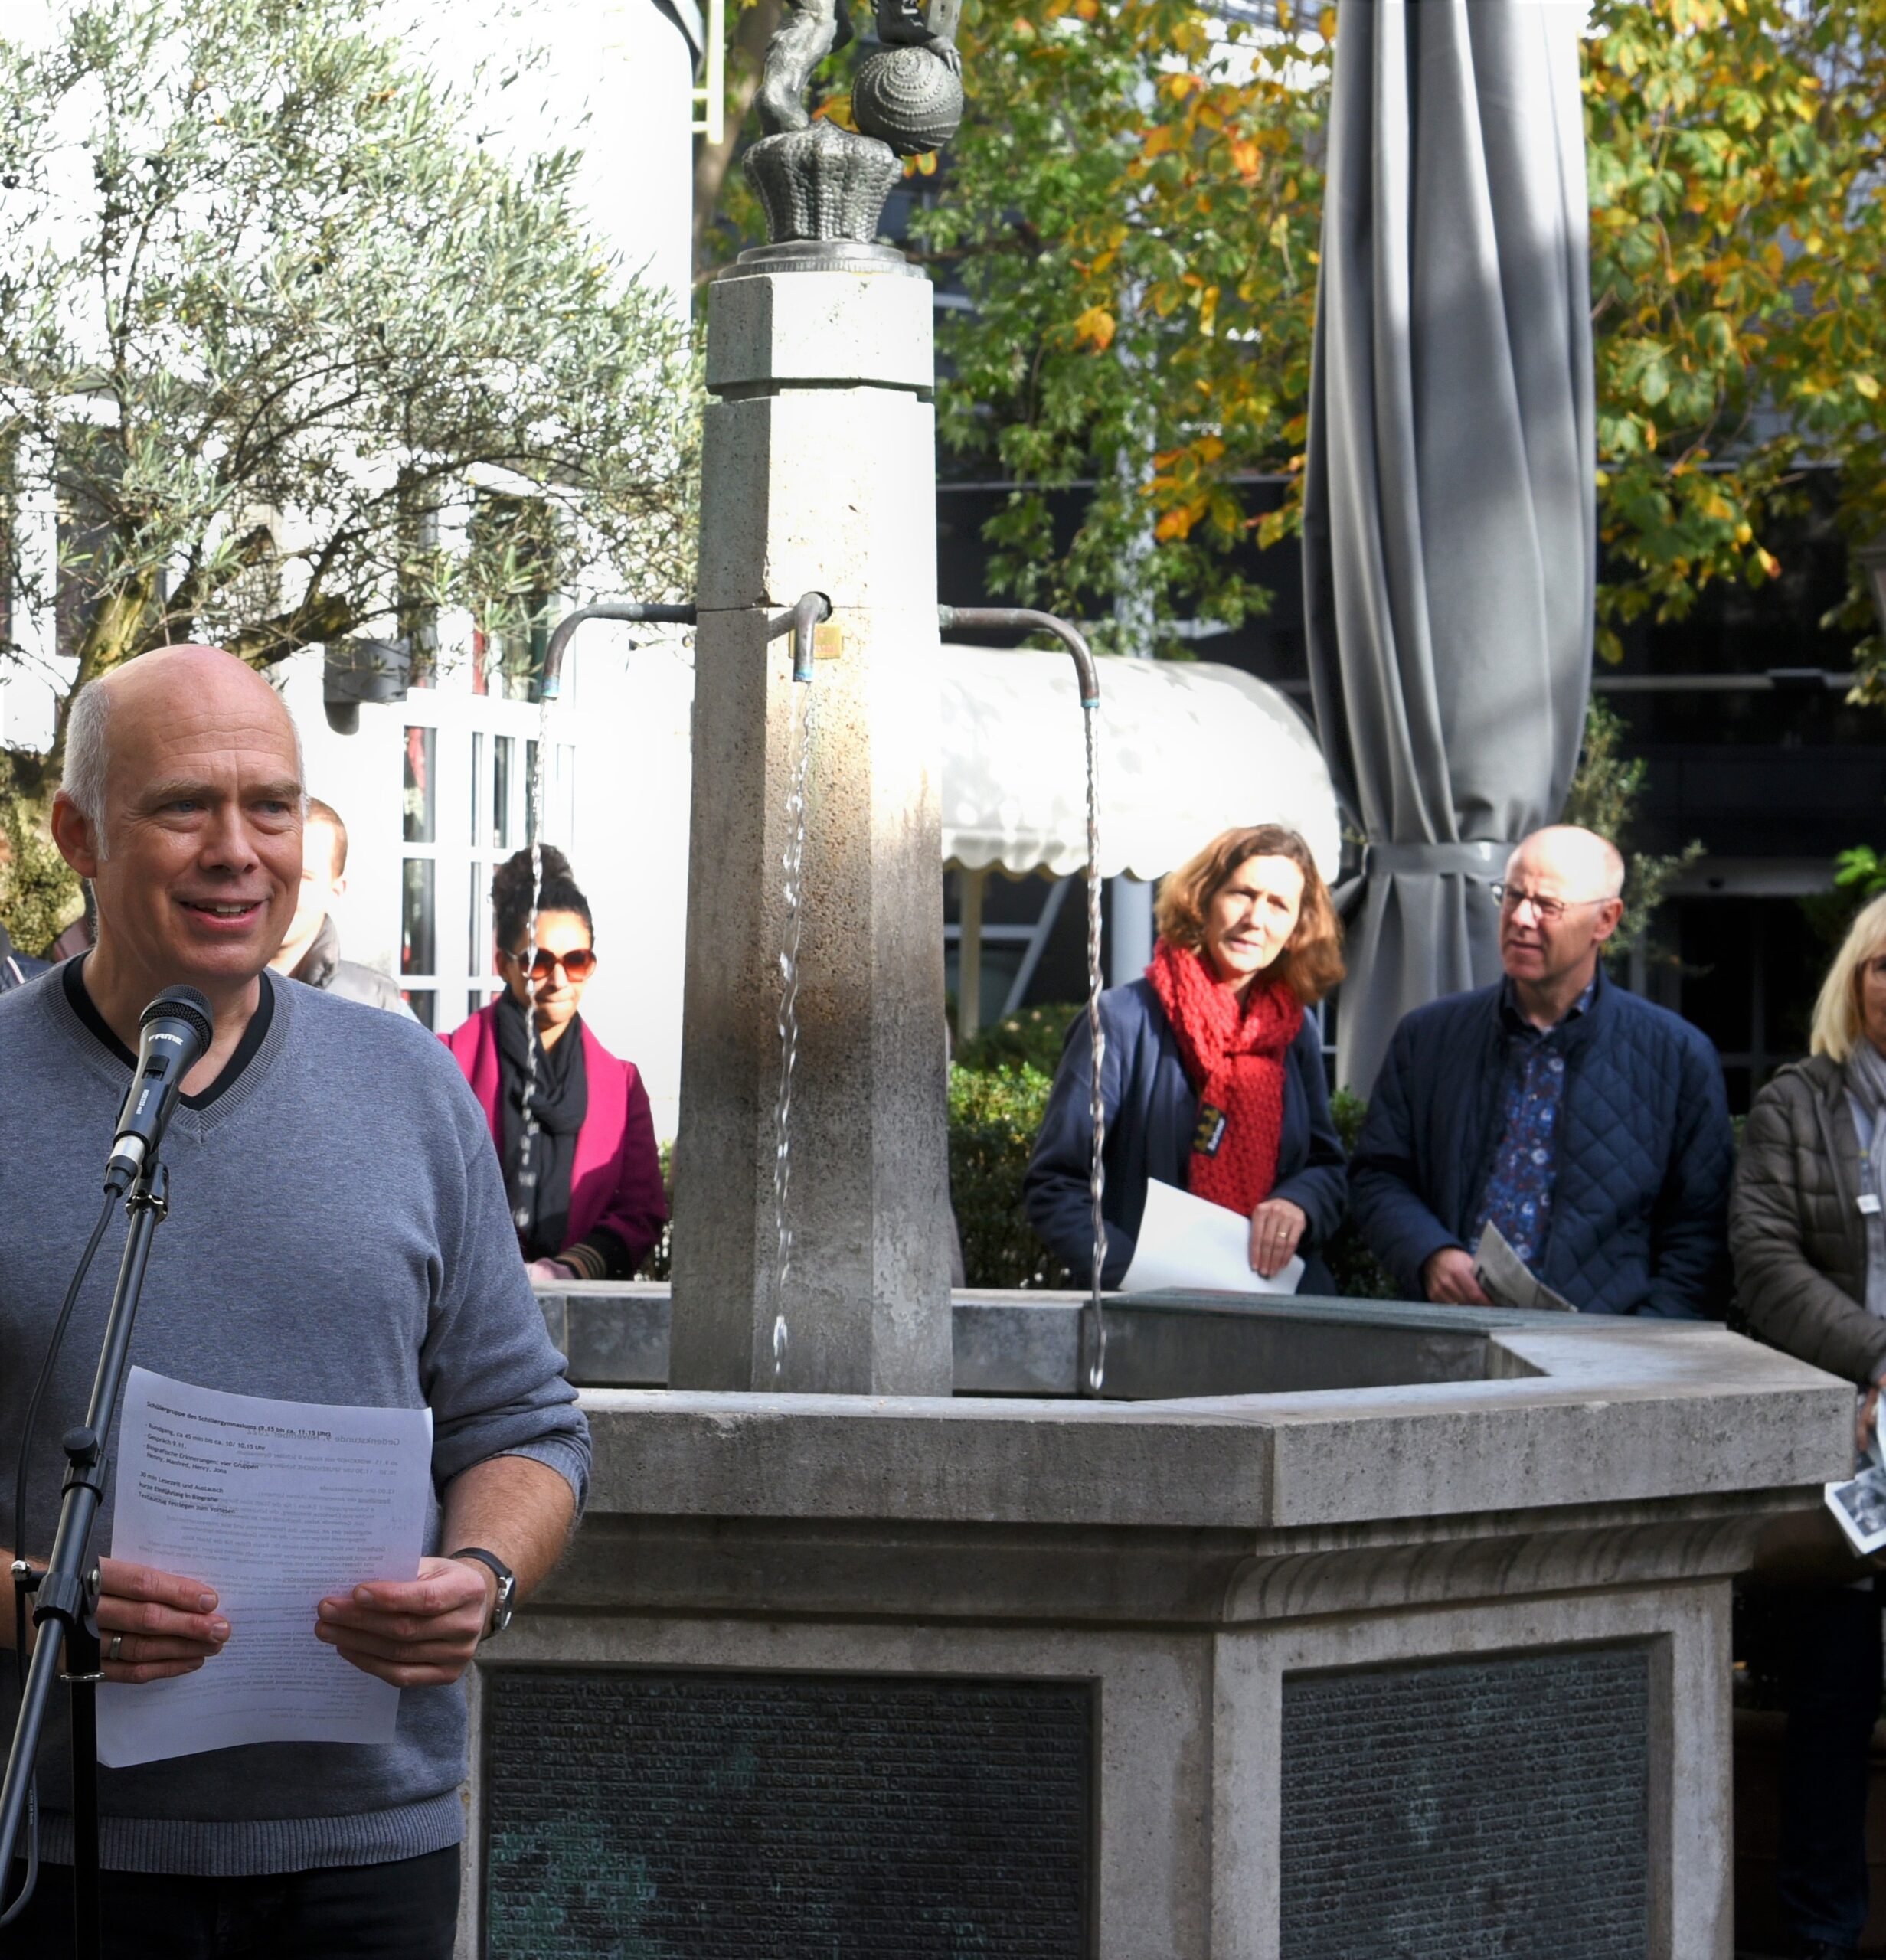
<point>579,963</point>
<point>1510,898</point>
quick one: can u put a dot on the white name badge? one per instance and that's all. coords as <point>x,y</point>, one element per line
<point>1869,1204</point>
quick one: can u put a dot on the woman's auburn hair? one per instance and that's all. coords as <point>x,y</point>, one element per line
<point>1839,1019</point>
<point>1311,962</point>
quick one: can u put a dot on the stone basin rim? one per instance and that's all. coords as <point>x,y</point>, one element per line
<point>1599,1417</point>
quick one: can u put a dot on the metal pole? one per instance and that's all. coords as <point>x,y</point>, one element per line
<point>1024,618</point>
<point>67,1595</point>
<point>969,953</point>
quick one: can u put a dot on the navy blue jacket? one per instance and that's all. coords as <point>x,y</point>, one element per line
<point>1640,1205</point>
<point>1151,1112</point>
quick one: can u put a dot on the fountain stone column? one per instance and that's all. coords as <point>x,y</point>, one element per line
<point>818,475</point>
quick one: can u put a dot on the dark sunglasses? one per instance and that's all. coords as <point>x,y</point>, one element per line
<point>579,963</point>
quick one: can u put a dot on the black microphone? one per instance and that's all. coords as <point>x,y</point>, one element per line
<point>178,1028</point>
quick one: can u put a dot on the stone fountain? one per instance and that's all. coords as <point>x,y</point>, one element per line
<point>1336,1629</point>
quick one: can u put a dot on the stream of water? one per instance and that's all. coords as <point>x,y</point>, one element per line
<point>805,713</point>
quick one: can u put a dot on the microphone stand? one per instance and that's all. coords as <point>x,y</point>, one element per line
<point>67,1592</point>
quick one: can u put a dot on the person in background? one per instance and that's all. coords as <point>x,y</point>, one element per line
<point>311,952</point>
<point>1590,1127</point>
<point>595,1205</point>
<point>1212,1077</point>
<point>1807,1233</point>
<point>16,968</point>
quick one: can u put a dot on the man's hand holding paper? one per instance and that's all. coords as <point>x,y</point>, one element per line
<point>154,1625</point>
<point>421,1633</point>
<point>284,1505</point>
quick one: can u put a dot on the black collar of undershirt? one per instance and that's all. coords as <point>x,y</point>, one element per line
<point>72,974</point>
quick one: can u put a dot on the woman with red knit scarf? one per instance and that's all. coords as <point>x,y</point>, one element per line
<point>1213,1076</point>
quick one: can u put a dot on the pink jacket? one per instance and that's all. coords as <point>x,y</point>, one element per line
<point>615,1182</point>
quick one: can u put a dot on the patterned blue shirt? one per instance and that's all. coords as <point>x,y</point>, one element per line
<point>1518,1195</point>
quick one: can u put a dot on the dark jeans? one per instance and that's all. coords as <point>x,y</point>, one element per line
<point>406,1910</point>
<point>1831,1682</point>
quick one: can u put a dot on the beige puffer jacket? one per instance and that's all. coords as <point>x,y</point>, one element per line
<point>1796,1232</point>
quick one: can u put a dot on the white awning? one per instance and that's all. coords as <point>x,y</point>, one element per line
<point>1187,749</point>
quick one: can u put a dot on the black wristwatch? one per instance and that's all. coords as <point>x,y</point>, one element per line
<point>507,1585</point>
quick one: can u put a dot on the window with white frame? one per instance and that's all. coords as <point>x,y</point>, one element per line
<point>468,762</point>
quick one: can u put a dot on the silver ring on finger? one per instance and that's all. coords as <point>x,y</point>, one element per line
<point>115,1651</point>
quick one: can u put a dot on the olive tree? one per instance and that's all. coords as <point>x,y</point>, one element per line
<point>270,303</point>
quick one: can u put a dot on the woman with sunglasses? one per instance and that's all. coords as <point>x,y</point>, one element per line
<point>587,1196</point>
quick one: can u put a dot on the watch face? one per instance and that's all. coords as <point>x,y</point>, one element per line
<point>500,1612</point>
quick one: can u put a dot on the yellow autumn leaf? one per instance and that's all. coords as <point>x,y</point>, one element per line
<point>1095,324</point>
<point>1864,384</point>
<point>1175,523</point>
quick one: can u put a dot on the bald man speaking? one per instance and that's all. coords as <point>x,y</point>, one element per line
<point>1588,1125</point>
<point>338,1234</point>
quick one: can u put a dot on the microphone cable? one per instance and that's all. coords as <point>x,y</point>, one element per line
<point>19,1533</point>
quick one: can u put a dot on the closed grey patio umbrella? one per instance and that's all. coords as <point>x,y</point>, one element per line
<point>1449,532</point>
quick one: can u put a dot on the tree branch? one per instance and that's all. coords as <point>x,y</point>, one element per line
<point>745,60</point>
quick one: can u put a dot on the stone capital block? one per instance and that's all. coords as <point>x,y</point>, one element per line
<point>773,330</point>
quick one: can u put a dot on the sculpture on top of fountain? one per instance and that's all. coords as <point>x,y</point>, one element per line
<point>823,189</point>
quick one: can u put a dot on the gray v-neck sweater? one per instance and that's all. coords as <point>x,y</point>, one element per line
<point>338,1233</point>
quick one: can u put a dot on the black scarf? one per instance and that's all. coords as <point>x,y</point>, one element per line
<point>540,1212</point>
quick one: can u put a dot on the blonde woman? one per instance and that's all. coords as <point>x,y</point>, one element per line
<point>1807,1231</point>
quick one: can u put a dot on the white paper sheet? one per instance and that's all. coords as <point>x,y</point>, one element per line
<point>1507,1280</point>
<point>1189,1244</point>
<point>1859,1504</point>
<point>276,1505</point>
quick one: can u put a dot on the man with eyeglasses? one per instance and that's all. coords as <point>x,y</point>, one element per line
<point>1589,1126</point>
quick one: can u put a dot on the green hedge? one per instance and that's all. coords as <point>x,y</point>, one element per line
<point>994,1114</point>
<point>1032,1039</point>
<point>1359,1275</point>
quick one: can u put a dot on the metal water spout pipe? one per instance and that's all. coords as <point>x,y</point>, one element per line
<point>987,618</point>
<point>811,610</point>
<point>1022,618</point>
<point>551,685</point>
